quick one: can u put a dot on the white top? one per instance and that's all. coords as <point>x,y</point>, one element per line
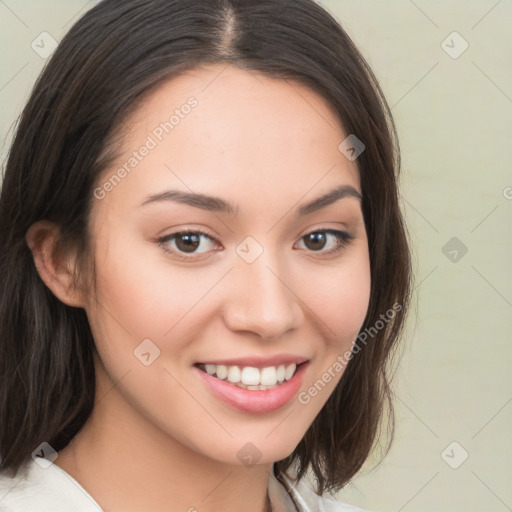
<point>51,489</point>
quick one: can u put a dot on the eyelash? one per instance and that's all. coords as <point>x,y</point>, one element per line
<point>343,239</point>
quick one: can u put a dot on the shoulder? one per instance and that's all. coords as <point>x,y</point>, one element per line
<point>305,499</point>
<point>323,503</point>
<point>329,504</point>
<point>43,489</point>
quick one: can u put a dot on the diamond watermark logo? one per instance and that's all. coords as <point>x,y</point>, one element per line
<point>249,454</point>
<point>454,249</point>
<point>44,455</point>
<point>44,45</point>
<point>249,250</point>
<point>454,455</point>
<point>146,352</point>
<point>454,45</point>
<point>351,147</point>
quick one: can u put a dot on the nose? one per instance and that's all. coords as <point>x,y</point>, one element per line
<point>261,299</point>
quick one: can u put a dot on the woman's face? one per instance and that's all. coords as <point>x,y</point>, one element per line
<point>269,282</point>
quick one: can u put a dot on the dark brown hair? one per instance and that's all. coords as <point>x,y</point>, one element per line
<point>115,55</point>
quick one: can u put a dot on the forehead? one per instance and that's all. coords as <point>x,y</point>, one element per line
<point>221,129</point>
<point>238,93</point>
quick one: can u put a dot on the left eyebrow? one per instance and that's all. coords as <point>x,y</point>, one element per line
<point>216,204</point>
<point>329,198</point>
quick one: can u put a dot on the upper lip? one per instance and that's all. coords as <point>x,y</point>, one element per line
<point>258,361</point>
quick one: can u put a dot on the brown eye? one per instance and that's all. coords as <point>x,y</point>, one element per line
<point>330,239</point>
<point>187,242</point>
<point>315,241</point>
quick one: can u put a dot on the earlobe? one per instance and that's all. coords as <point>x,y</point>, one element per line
<point>54,264</point>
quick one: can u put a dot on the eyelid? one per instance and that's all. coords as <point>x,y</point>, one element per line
<point>161,241</point>
<point>343,237</point>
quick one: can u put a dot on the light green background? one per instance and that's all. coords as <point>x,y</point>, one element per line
<point>454,122</point>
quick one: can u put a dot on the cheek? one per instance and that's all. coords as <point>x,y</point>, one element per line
<point>141,296</point>
<point>339,308</point>
<point>340,300</point>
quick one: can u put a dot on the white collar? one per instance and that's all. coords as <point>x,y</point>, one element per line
<point>52,489</point>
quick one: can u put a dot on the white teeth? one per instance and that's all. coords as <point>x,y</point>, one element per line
<point>268,376</point>
<point>234,374</point>
<point>250,377</point>
<point>221,371</point>
<point>290,370</point>
<point>210,368</point>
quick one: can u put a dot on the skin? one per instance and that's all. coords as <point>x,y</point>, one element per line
<point>157,438</point>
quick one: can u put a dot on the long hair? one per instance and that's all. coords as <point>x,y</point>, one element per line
<point>112,58</point>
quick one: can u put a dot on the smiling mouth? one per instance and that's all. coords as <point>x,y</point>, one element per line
<point>251,377</point>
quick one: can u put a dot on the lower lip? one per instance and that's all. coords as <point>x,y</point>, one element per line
<point>259,401</point>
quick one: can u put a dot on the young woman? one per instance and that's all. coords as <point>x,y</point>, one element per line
<point>204,266</point>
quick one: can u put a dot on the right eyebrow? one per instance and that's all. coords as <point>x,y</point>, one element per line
<point>215,204</point>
